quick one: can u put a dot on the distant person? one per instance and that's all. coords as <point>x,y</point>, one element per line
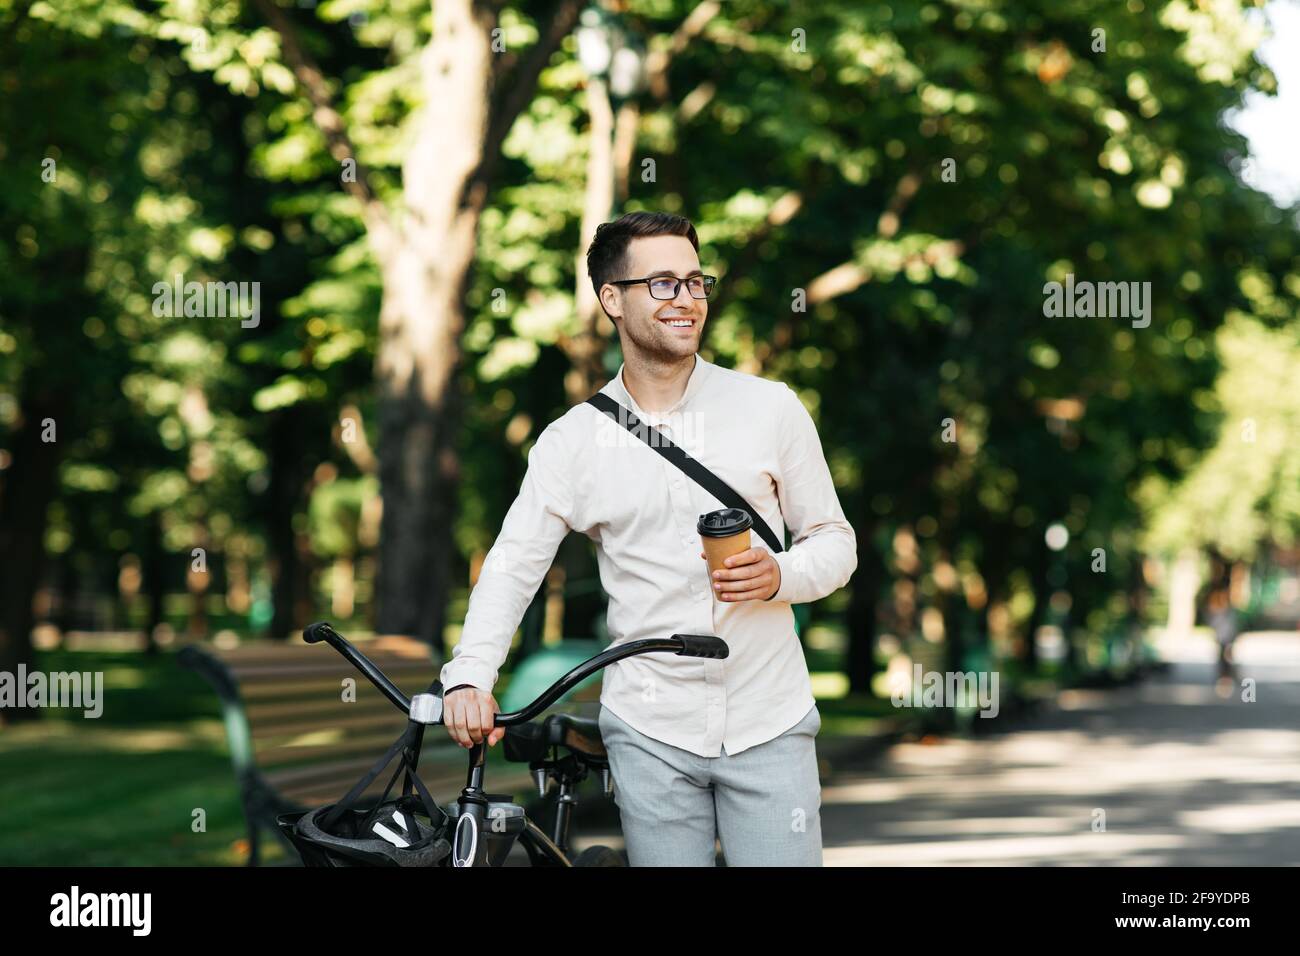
<point>1221,616</point>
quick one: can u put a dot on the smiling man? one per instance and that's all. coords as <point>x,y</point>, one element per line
<point>700,750</point>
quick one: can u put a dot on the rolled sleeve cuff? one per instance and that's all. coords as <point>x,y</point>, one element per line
<point>787,589</point>
<point>475,673</point>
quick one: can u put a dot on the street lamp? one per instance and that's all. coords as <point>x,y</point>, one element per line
<point>614,64</point>
<point>607,52</point>
<point>1057,536</point>
<point>595,41</point>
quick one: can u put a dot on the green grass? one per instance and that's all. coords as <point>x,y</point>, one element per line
<point>79,799</point>
<point>121,789</point>
<point>139,688</point>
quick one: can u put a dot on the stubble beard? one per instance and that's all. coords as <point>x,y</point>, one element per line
<point>659,349</point>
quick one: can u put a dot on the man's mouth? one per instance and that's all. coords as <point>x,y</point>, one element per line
<point>678,322</point>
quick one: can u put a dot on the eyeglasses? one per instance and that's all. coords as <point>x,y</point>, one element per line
<point>666,287</point>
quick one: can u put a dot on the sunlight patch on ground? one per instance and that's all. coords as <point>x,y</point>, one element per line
<point>84,735</point>
<point>1243,817</point>
<point>1086,846</point>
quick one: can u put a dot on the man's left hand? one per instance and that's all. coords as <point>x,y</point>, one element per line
<point>751,575</point>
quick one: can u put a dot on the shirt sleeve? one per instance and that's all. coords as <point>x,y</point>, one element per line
<point>824,552</point>
<point>536,523</point>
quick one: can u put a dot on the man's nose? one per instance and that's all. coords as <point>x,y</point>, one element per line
<point>684,297</point>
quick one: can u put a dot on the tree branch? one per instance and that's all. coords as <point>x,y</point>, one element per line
<point>358,447</point>
<point>330,121</point>
<point>657,63</point>
<point>849,276</point>
<point>783,210</point>
<point>522,85</point>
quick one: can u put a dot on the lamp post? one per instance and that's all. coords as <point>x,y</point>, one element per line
<point>614,65</point>
<point>608,52</point>
<point>595,41</point>
<point>1057,537</point>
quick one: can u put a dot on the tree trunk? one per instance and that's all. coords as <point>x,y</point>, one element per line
<point>864,599</point>
<point>582,606</point>
<point>586,349</point>
<point>424,255</point>
<point>155,580</point>
<point>29,485</point>
<point>425,265</point>
<point>284,496</point>
<point>418,473</point>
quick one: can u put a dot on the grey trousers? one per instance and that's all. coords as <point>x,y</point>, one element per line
<point>763,804</point>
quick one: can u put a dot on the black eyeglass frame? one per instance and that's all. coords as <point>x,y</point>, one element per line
<point>710,282</point>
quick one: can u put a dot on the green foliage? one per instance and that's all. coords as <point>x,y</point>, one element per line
<point>1245,492</point>
<point>915,171</point>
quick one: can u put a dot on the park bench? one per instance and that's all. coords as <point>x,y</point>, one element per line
<point>296,743</point>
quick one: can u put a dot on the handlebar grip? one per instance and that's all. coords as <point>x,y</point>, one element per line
<point>703,645</point>
<point>315,633</point>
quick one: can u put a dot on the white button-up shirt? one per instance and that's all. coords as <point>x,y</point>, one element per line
<point>587,473</point>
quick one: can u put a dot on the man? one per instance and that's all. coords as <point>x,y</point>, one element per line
<point>699,749</point>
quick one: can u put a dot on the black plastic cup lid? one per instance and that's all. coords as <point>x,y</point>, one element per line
<point>724,523</point>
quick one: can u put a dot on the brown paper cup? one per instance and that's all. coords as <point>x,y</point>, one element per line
<point>717,550</point>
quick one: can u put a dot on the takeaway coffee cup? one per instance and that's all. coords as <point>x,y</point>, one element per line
<point>724,533</point>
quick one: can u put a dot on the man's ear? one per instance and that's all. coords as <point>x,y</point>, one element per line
<point>605,303</point>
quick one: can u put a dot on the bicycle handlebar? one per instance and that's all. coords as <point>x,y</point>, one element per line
<point>685,645</point>
<point>324,631</point>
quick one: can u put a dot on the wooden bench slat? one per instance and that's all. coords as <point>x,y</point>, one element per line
<point>347,726</point>
<point>444,785</point>
<point>331,687</point>
<point>323,669</point>
<point>437,751</point>
<point>321,707</point>
<point>298,776</point>
<point>293,650</point>
<point>372,746</point>
<point>330,755</point>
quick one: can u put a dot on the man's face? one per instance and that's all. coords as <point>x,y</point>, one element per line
<point>645,319</point>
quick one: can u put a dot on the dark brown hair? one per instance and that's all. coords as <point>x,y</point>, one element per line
<point>607,254</point>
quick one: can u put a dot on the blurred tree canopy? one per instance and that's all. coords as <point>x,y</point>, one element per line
<point>884,190</point>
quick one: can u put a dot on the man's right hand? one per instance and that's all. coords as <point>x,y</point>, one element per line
<point>467,712</point>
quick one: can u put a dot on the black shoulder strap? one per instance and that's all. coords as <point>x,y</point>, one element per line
<point>711,483</point>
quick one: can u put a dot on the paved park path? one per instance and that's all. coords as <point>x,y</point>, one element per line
<point>1185,778</point>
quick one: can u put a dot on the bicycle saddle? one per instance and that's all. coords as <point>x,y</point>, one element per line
<point>525,743</point>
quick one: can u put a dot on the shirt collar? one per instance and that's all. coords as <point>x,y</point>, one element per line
<point>693,385</point>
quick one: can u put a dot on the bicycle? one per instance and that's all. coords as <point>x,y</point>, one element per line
<point>563,746</point>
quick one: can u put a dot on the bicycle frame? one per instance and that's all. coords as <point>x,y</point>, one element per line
<point>426,709</point>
